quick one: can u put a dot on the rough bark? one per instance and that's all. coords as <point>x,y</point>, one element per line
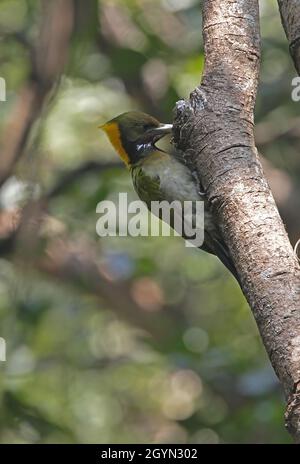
<point>286,193</point>
<point>215,130</point>
<point>290,17</point>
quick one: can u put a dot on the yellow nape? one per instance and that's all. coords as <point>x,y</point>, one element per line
<point>113,132</point>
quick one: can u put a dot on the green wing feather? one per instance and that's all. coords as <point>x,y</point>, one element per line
<point>149,189</point>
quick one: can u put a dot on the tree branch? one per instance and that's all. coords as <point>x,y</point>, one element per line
<point>286,193</point>
<point>215,130</point>
<point>290,17</point>
<point>48,57</point>
<point>69,177</point>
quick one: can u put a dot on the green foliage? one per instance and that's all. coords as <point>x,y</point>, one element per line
<point>76,370</point>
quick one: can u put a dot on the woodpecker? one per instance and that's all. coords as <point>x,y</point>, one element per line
<point>158,175</point>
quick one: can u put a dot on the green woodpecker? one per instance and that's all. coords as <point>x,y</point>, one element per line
<point>158,175</point>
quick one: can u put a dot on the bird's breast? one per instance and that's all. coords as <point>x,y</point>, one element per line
<point>175,179</point>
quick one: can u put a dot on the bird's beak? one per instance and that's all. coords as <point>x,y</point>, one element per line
<point>155,134</point>
<point>163,129</point>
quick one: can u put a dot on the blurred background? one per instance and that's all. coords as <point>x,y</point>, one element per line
<point>122,340</point>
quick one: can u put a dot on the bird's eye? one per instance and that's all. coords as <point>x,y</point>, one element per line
<point>147,126</point>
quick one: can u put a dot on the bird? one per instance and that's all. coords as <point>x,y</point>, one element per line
<point>159,175</point>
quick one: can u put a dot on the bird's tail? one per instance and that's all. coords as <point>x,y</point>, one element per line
<point>218,248</point>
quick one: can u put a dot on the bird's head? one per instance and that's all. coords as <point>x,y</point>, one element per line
<point>134,134</point>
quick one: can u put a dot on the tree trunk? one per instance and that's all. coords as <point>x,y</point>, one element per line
<point>290,17</point>
<point>215,130</point>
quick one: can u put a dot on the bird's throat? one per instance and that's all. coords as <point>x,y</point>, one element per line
<point>113,132</point>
